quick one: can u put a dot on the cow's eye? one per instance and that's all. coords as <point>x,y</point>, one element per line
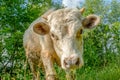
<point>54,36</point>
<point>68,20</point>
<point>79,33</point>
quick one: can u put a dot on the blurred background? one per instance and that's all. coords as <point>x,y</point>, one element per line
<point>101,45</point>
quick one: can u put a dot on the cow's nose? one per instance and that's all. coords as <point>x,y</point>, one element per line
<point>70,62</point>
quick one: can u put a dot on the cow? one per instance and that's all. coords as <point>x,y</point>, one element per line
<point>57,37</point>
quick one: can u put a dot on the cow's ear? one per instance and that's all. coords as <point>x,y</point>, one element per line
<point>41,28</point>
<point>90,21</point>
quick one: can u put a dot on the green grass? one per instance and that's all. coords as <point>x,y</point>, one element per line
<point>111,71</point>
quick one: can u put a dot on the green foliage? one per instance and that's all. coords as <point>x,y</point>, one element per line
<point>15,17</point>
<point>101,45</point>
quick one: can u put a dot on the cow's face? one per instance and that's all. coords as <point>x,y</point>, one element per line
<point>65,27</point>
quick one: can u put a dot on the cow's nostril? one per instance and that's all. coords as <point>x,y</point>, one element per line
<point>77,62</point>
<point>65,62</point>
<point>71,62</point>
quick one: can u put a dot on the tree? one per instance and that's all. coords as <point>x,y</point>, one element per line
<point>15,17</point>
<point>102,43</point>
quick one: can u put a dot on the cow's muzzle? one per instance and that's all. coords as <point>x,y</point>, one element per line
<point>71,62</point>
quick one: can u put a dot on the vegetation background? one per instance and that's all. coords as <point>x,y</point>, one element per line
<point>101,45</point>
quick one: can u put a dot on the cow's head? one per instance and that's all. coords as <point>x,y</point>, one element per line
<point>65,27</point>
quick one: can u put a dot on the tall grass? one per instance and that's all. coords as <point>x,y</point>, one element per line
<point>109,72</point>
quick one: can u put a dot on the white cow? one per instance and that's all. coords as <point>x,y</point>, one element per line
<point>57,37</point>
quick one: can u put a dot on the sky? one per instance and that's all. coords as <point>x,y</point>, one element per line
<point>73,3</point>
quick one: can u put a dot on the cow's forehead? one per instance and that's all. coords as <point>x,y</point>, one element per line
<point>63,18</point>
<point>62,14</point>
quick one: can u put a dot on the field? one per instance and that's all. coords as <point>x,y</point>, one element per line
<point>111,71</point>
<point>101,45</point>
